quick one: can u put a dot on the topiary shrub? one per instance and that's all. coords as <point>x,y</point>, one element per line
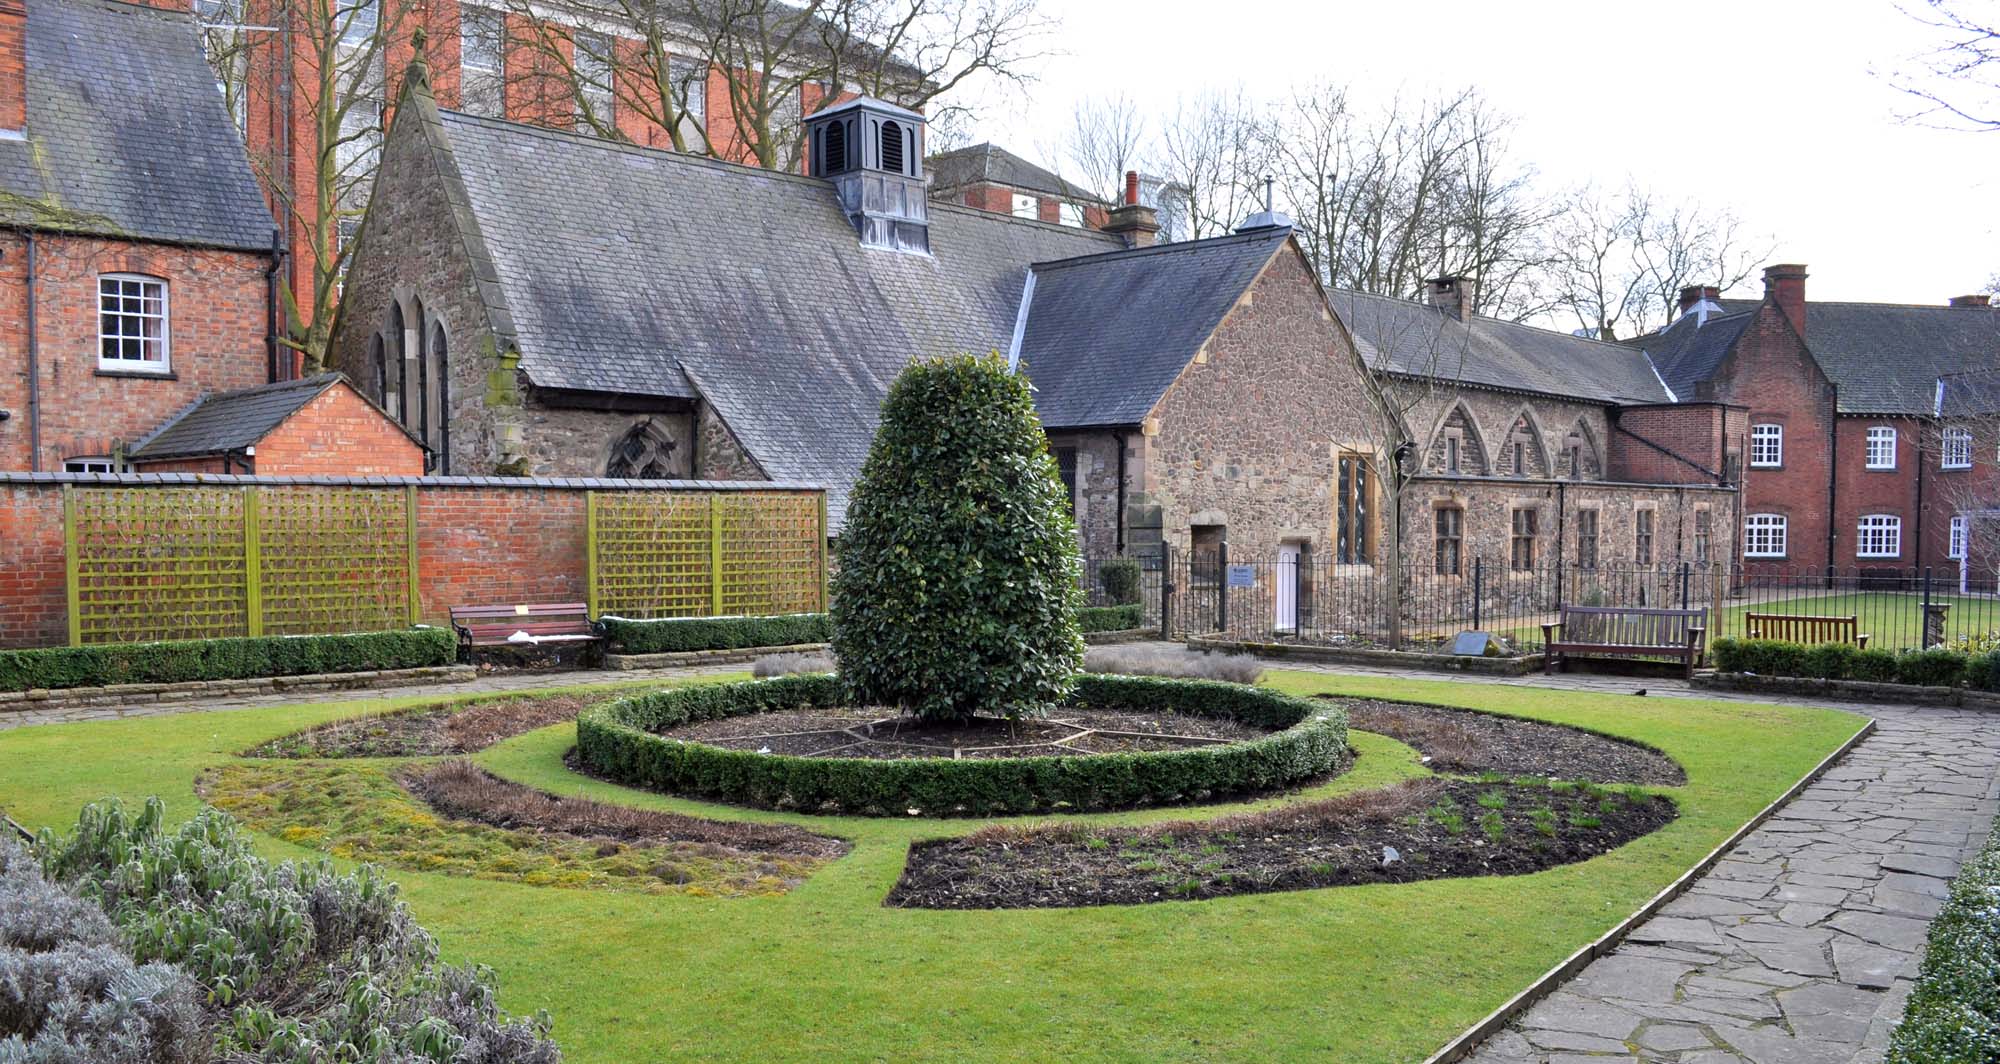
<point>1829,661</point>
<point>1120,579</point>
<point>1930,668</point>
<point>959,579</point>
<point>1873,666</point>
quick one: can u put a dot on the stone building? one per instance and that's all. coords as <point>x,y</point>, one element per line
<point>1849,465</point>
<point>138,270</point>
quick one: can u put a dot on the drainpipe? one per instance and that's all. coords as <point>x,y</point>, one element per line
<point>1918,531</point>
<point>34,364</point>
<point>1121,438</point>
<point>1832,476</point>
<point>271,345</point>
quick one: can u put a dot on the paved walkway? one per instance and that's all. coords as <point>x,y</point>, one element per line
<point>1798,948</point>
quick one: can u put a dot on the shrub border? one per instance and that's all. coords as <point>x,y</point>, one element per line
<point>616,740</point>
<point>1953,1015</point>
<point>233,658</point>
<point>683,635</point>
<point>1937,668</point>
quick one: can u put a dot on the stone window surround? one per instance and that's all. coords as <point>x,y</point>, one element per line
<point>1533,536</point>
<point>1372,508</point>
<point>1596,512</point>
<point>1438,508</point>
<point>1651,531</point>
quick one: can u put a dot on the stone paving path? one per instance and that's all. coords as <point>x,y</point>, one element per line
<point>1798,948</point>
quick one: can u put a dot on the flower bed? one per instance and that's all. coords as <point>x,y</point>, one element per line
<point>618,741</point>
<point>236,658</point>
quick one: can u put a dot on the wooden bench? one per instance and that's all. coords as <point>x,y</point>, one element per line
<point>543,622</point>
<point>1812,631</point>
<point>1625,632</point>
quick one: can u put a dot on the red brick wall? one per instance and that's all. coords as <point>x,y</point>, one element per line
<point>339,434</point>
<point>13,64</point>
<point>476,545</point>
<point>999,199</point>
<point>1665,444</point>
<point>1772,375</point>
<point>216,331</point>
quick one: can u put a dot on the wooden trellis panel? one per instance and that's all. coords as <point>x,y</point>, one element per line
<point>200,563</point>
<point>146,564</point>
<point>335,559</point>
<point>655,554</point>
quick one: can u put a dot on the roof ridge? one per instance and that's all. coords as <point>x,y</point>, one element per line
<point>1622,345</point>
<point>1155,249</point>
<point>622,146</point>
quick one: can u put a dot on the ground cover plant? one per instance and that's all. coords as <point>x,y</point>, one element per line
<point>435,728</point>
<point>1954,1012</point>
<point>292,963</point>
<point>1460,741</point>
<point>1422,829</point>
<point>448,818</point>
<point>1155,660</point>
<point>1375,974</point>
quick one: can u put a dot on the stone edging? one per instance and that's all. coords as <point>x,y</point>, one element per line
<point>1121,635</point>
<point>140,693</point>
<point>1461,1047</point>
<point>675,658</point>
<point>1848,690</point>
<point>1406,659</point>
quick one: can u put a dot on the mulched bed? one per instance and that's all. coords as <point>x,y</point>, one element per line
<point>1423,829</point>
<point>464,791</point>
<point>430,730</point>
<point>878,734</point>
<point>1469,742</point>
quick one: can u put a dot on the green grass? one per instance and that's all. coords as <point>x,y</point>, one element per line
<point>1359,974</point>
<point>1892,620</point>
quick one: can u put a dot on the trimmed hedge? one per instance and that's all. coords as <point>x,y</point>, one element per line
<point>1108,618</point>
<point>617,740</point>
<point>1954,1012</point>
<point>681,634</point>
<point>1838,661</point>
<point>1119,578</point>
<point>236,658</point>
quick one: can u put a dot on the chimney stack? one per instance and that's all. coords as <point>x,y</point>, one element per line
<point>1132,220</point>
<point>13,68</point>
<point>1456,295</point>
<point>1785,285</point>
<point>1979,302</point>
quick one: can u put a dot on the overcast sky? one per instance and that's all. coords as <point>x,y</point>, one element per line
<point>1767,107</point>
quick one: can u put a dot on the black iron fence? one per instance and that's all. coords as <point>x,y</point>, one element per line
<point>1301,599</point>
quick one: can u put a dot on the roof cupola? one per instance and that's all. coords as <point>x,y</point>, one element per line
<point>873,152</point>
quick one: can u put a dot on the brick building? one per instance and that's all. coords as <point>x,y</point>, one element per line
<point>1849,466</point>
<point>992,178</point>
<point>137,270</point>
<point>732,323</point>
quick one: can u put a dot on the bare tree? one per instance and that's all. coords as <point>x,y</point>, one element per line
<point>1103,140</point>
<point>1963,433</point>
<point>1619,260</point>
<point>1956,83</point>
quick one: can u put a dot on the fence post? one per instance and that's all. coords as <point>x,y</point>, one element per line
<point>1222,586</point>
<point>253,563</point>
<point>715,555</point>
<point>1478,591</point>
<point>1687,574</point>
<point>1299,595</point>
<point>1166,591</point>
<point>70,563</point>
<point>409,505</point>
<point>589,553</point>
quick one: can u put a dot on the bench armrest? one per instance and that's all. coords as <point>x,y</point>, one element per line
<point>1549,630</point>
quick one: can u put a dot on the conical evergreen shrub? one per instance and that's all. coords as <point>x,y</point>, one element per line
<point>959,579</point>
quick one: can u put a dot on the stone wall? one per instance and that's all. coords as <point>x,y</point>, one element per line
<point>1487,422</point>
<point>1096,490</point>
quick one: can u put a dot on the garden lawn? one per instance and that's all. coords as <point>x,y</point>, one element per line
<point>1893,620</point>
<point>1355,974</point>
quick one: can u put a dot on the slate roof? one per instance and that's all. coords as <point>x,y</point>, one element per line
<point>1886,358</point>
<point>632,270</point>
<point>126,133</point>
<point>1406,337</point>
<point>1972,394</point>
<point>1687,352</point>
<point>992,163</point>
<point>1107,334</point>
<point>227,422</point>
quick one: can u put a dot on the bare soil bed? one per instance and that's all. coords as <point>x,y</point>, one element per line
<point>430,730</point>
<point>1423,829</point>
<point>464,791</point>
<point>879,734</point>
<point>1466,741</point>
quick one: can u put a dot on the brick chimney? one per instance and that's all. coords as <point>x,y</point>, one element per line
<point>1785,285</point>
<point>1695,293</point>
<point>13,68</point>
<point>1980,302</point>
<point>1132,220</point>
<point>1456,296</point>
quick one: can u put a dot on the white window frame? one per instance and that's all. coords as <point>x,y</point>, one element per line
<point>595,63</point>
<point>1881,447</point>
<point>688,78</point>
<point>1961,535</point>
<point>1878,536</point>
<point>161,362</point>
<point>1025,206</point>
<point>1774,436</point>
<point>1070,214</point>
<point>491,78</point>
<point>1766,535</point>
<point>94,464</point>
<point>1955,449</point>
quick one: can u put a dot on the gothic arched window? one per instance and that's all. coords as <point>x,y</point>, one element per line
<point>643,453</point>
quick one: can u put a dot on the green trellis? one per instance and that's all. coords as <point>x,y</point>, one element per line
<point>195,563</point>
<point>653,554</point>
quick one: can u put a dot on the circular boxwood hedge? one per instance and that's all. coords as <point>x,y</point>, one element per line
<point>617,740</point>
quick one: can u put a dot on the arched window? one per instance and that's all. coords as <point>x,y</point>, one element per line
<point>381,367</point>
<point>397,399</point>
<point>645,452</point>
<point>436,356</point>
<point>892,147</point>
<point>421,407</point>
<point>835,158</point>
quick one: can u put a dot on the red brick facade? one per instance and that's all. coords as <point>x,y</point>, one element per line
<point>999,199</point>
<point>216,336</point>
<point>337,433</point>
